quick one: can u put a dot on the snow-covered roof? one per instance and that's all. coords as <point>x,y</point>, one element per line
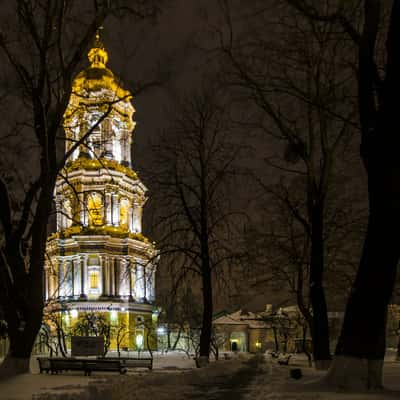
<point>241,317</point>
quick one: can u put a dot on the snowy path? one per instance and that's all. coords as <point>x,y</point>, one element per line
<point>223,384</point>
<point>175,378</point>
<point>219,381</point>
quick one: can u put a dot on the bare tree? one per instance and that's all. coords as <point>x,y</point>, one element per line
<point>289,72</point>
<point>196,165</point>
<point>180,312</point>
<point>361,345</point>
<point>94,324</point>
<point>40,53</point>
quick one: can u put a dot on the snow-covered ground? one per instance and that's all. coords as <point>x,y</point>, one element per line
<point>27,386</point>
<point>175,377</point>
<point>276,384</point>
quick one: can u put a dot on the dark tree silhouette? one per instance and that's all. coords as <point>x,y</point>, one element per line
<point>295,84</point>
<point>192,181</point>
<point>41,47</point>
<point>361,347</point>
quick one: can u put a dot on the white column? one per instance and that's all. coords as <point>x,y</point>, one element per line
<point>130,219</point>
<point>123,278</point>
<point>61,278</point>
<point>105,135</point>
<point>149,282</point>
<point>54,286</point>
<point>68,277</point>
<point>84,210</point>
<point>153,284</point>
<point>51,280</point>
<point>46,282</point>
<point>108,209</point>
<point>112,275</point>
<point>145,282</point>
<point>72,267</point>
<point>130,269</point>
<point>129,146</point>
<point>117,273</point>
<point>77,277</point>
<point>85,275</point>
<point>106,283</point>
<point>139,284</point>
<point>134,278</point>
<point>59,214</point>
<point>101,275</point>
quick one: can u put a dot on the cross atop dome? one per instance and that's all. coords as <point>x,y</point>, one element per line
<point>98,55</point>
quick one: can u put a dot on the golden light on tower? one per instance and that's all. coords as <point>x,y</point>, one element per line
<point>98,55</point>
<point>99,260</point>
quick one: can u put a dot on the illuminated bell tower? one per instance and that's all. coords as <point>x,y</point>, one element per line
<point>98,260</point>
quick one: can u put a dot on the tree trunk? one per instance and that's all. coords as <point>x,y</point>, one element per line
<point>304,346</point>
<point>168,337</point>
<point>362,341</point>
<point>23,302</point>
<point>206,328</point>
<point>22,333</point>
<point>178,336</point>
<point>320,324</point>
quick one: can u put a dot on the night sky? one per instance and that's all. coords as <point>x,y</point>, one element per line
<point>168,53</point>
<point>167,57</point>
<point>158,59</point>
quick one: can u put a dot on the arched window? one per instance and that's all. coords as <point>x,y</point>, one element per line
<point>117,147</point>
<point>124,213</point>
<point>94,276</point>
<point>96,144</point>
<point>67,213</point>
<point>94,140</point>
<point>95,209</point>
<point>108,135</point>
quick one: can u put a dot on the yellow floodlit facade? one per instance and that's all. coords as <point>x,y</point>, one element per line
<point>98,260</point>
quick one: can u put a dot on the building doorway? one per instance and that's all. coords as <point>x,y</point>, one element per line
<point>238,341</point>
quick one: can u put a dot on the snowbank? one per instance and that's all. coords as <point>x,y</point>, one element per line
<point>275,384</point>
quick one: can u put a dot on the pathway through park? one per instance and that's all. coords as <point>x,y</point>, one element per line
<point>222,385</point>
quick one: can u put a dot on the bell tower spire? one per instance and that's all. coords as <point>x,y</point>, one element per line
<point>99,261</point>
<point>98,55</point>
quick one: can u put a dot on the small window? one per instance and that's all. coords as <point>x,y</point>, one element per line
<point>94,280</point>
<point>95,209</point>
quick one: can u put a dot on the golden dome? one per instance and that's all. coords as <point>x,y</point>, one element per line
<point>98,55</point>
<point>97,76</point>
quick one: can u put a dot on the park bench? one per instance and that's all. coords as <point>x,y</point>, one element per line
<point>104,365</point>
<point>132,362</point>
<point>59,364</point>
